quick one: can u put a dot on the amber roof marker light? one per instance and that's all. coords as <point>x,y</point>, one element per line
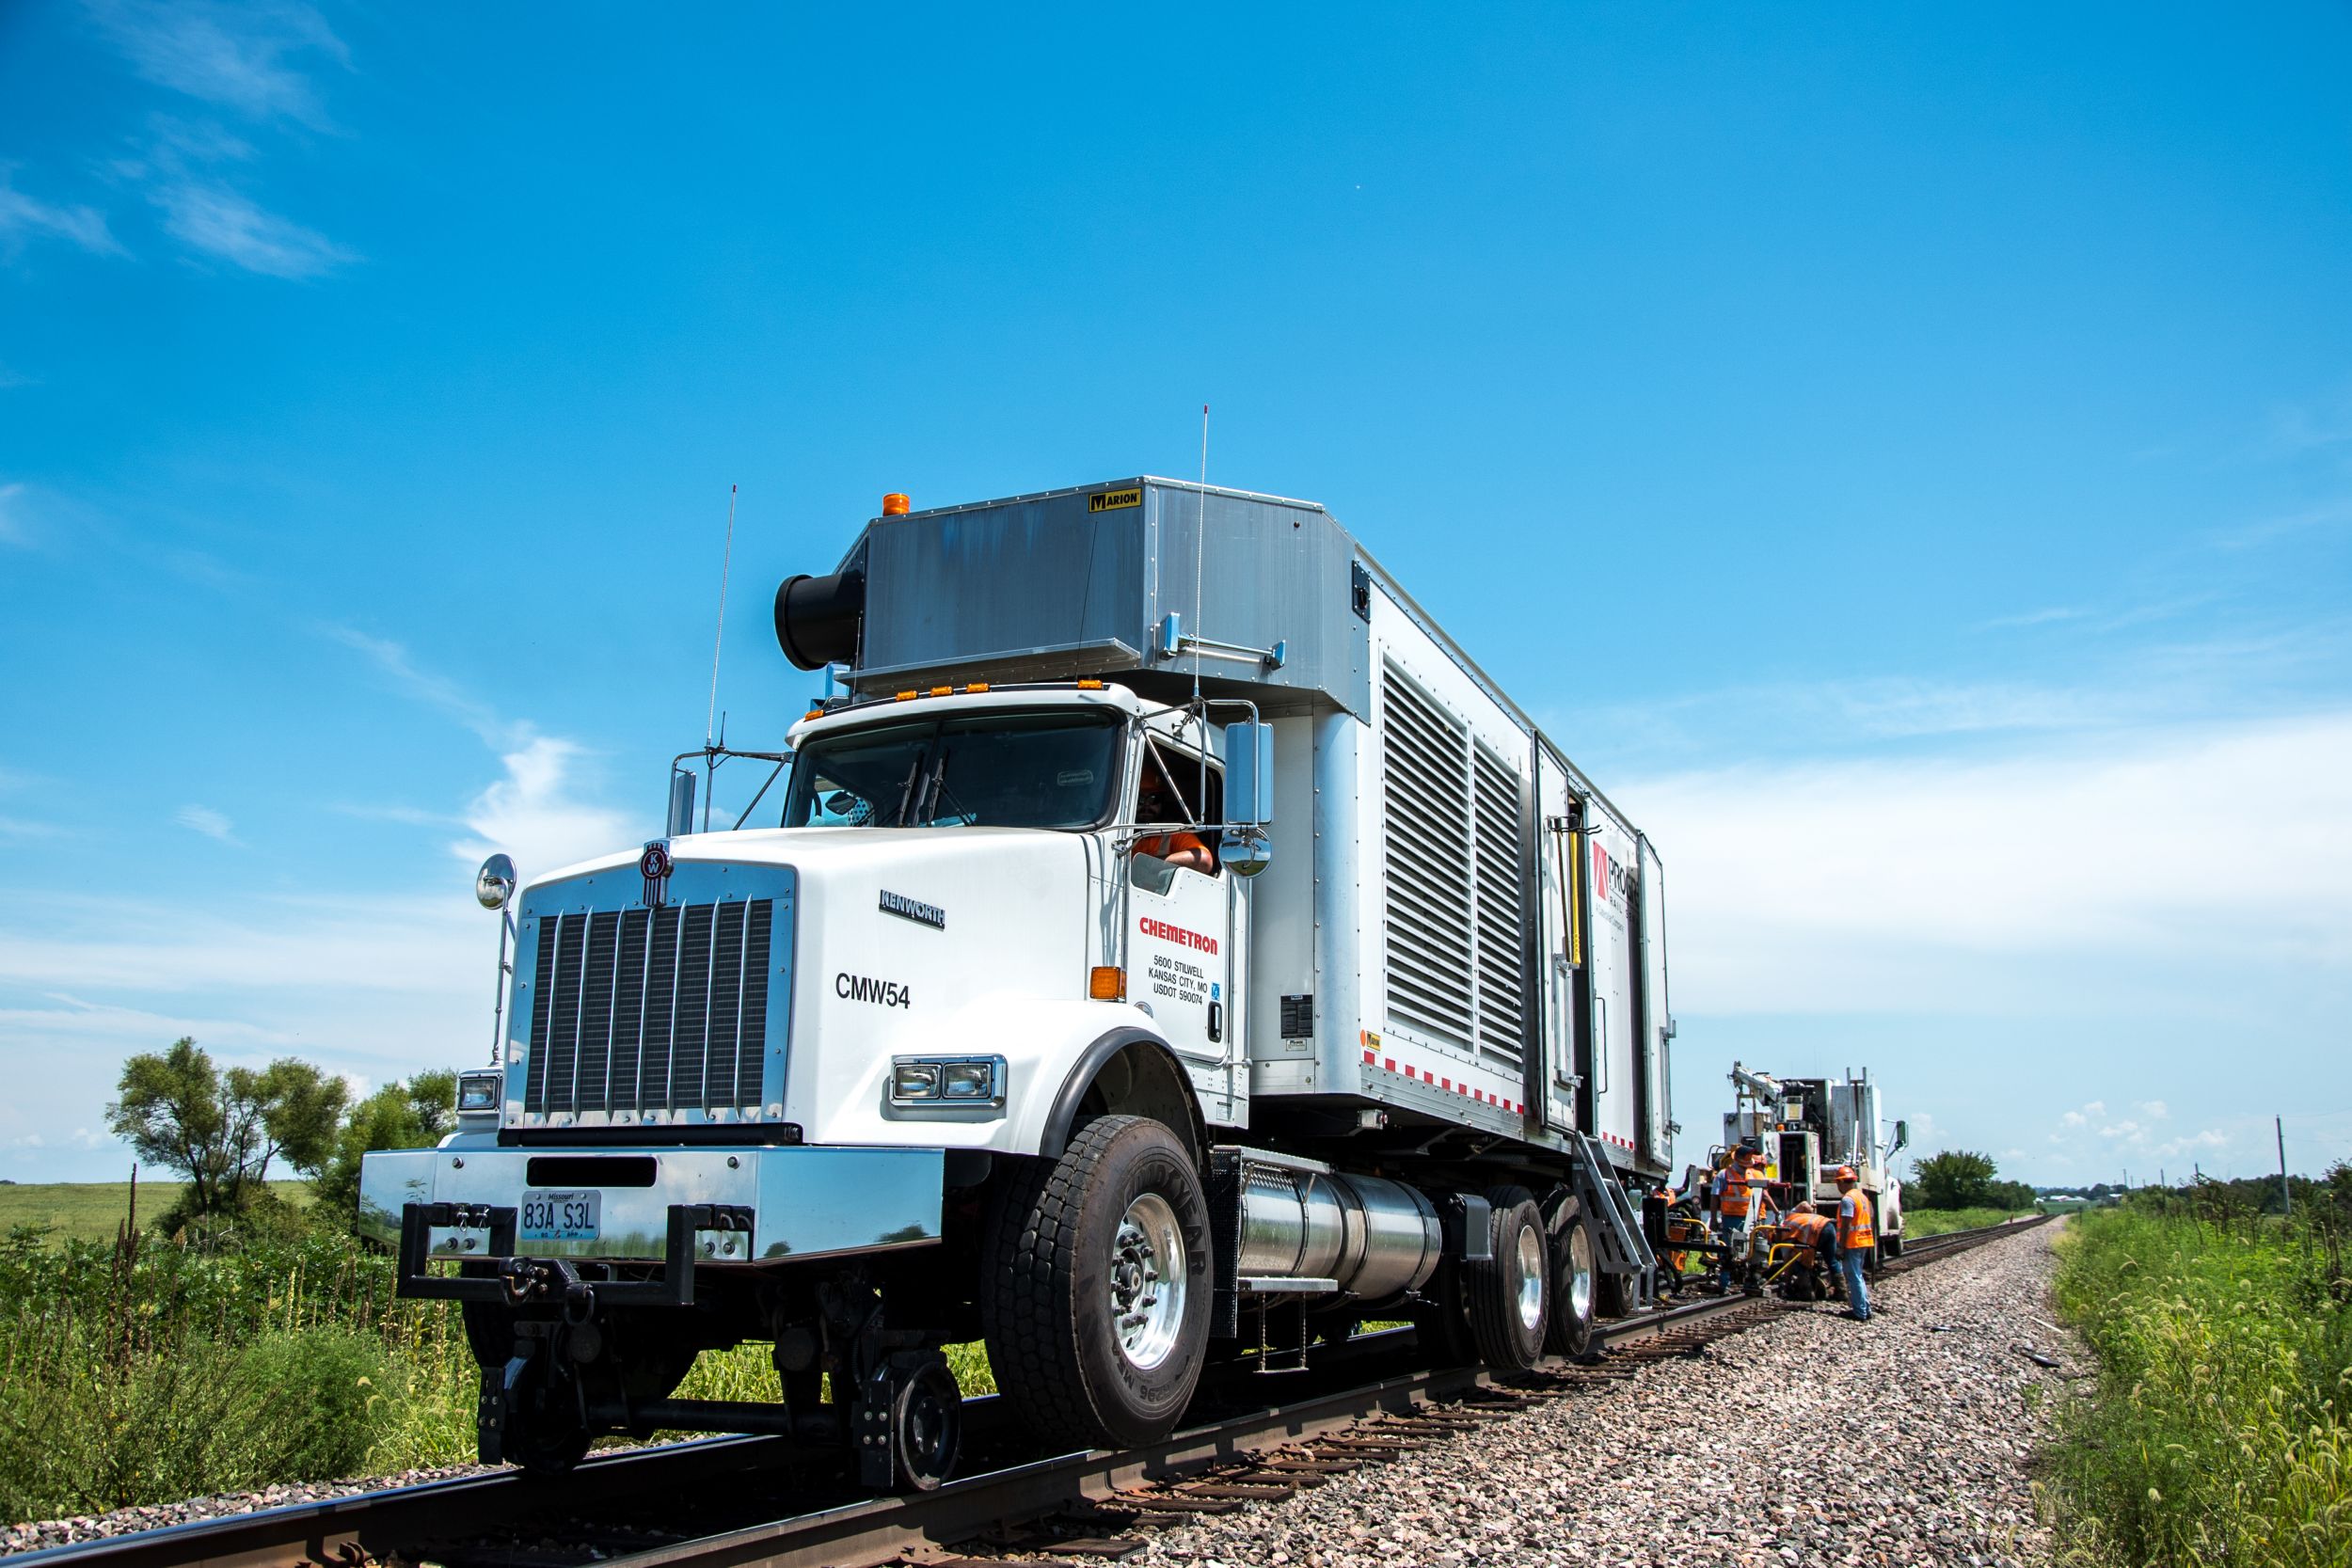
<point>895,505</point>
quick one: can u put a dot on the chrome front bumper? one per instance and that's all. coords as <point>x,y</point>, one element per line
<point>739,1205</point>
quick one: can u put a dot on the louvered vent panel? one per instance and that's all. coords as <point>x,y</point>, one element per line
<point>1501,985</point>
<point>649,1009</point>
<point>1426,924</point>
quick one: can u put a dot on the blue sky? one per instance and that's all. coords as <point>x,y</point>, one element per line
<point>1905,456</point>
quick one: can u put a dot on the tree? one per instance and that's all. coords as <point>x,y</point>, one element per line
<point>222,1129</point>
<point>413,1115</point>
<point>1955,1178</point>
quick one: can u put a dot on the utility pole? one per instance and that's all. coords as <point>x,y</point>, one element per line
<point>2286,1193</point>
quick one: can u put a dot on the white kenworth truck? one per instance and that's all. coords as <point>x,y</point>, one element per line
<point>1170,947</point>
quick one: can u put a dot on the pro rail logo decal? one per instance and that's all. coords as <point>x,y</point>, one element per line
<point>1610,878</point>
<point>1112,501</point>
<point>864,988</point>
<point>913,909</point>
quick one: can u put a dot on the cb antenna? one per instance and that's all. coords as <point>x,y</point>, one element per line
<point>1199,554</point>
<point>718,641</point>
<point>719,638</point>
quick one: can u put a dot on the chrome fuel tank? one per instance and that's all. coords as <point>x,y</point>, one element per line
<point>1300,1228</point>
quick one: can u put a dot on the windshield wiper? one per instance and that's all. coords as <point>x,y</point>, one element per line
<point>931,787</point>
<point>906,791</point>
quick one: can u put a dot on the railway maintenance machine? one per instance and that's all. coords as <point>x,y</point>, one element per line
<point>1169,946</point>
<point>1806,1128</point>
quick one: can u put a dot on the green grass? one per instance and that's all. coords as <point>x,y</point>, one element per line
<point>1937,1222</point>
<point>90,1210</point>
<point>2217,1433</point>
<point>143,1375</point>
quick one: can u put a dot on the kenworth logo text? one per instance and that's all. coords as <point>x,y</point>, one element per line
<point>913,909</point>
<point>1177,934</point>
<point>862,988</point>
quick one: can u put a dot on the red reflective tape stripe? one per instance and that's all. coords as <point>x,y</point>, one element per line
<point>1389,1064</point>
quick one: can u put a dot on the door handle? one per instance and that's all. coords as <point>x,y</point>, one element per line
<point>1217,1022</point>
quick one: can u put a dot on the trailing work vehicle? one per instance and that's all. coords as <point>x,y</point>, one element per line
<point>1806,1128</point>
<point>1169,945</point>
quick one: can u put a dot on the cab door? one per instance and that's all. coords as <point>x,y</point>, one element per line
<point>1183,959</point>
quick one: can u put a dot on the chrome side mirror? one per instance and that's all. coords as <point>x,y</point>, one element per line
<point>1248,773</point>
<point>494,884</point>
<point>681,804</point>
<point>1244,851</point>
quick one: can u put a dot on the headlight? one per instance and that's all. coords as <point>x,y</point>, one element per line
<point>478,1092</point>
<point>971,1079</point>
<point>947,1080</point>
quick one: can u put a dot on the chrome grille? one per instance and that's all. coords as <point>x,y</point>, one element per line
<point>649,1009</point>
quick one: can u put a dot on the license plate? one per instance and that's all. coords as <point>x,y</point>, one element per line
<point>548,1216</point>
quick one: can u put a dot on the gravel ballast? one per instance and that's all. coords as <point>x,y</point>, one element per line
<point>1810,1440</point>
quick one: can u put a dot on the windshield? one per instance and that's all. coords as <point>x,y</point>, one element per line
<point>1052,769</point>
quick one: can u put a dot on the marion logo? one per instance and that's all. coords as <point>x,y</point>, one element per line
<point>1177,934</point>
<point>913,909</point>
<point>654,865</point>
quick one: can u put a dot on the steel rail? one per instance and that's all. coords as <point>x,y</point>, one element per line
<point>389,1522</point>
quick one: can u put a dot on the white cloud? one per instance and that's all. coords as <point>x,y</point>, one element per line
<point>23,217</point>
<point>221,221</point>
<point>13,528</point>
<point>238,57</point>
<point>538,812</point>
<point>534,815</point>
<point>205,820</point>
<point>2011,884</point>
<point>394,660</point>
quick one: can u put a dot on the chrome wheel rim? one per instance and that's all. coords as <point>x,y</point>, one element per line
<point>1531,1302</point>
<point>1147,1281</point>
<point>1579,1272</point>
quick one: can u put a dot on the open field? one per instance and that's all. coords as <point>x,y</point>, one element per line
<point>90,1211</point>
<point>1936,1221</point>
<point>157,1372</point>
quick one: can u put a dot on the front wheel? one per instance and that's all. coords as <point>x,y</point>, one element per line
<point>1507,1295</point>
<point>1096,1309</point>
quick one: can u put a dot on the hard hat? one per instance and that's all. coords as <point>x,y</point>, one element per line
<point>1845,1173</point>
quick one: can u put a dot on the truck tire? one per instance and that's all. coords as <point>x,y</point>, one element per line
<point>1575,1291</point>
<point>1096,1304</point>
<point>1508,1296</point>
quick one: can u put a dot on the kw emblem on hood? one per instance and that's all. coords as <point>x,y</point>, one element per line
<point>913,909</point>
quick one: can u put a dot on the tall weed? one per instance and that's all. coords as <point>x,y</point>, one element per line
<point>2219,1432</point>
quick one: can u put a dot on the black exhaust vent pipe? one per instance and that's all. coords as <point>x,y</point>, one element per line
<point>816,618</point>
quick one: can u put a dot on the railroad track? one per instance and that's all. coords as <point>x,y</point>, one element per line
<point>757,1502</point>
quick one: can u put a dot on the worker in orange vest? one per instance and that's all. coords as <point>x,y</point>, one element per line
<point>1806,1228</point>
<point>1856,1236</point>
<point>1734,1195</point>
